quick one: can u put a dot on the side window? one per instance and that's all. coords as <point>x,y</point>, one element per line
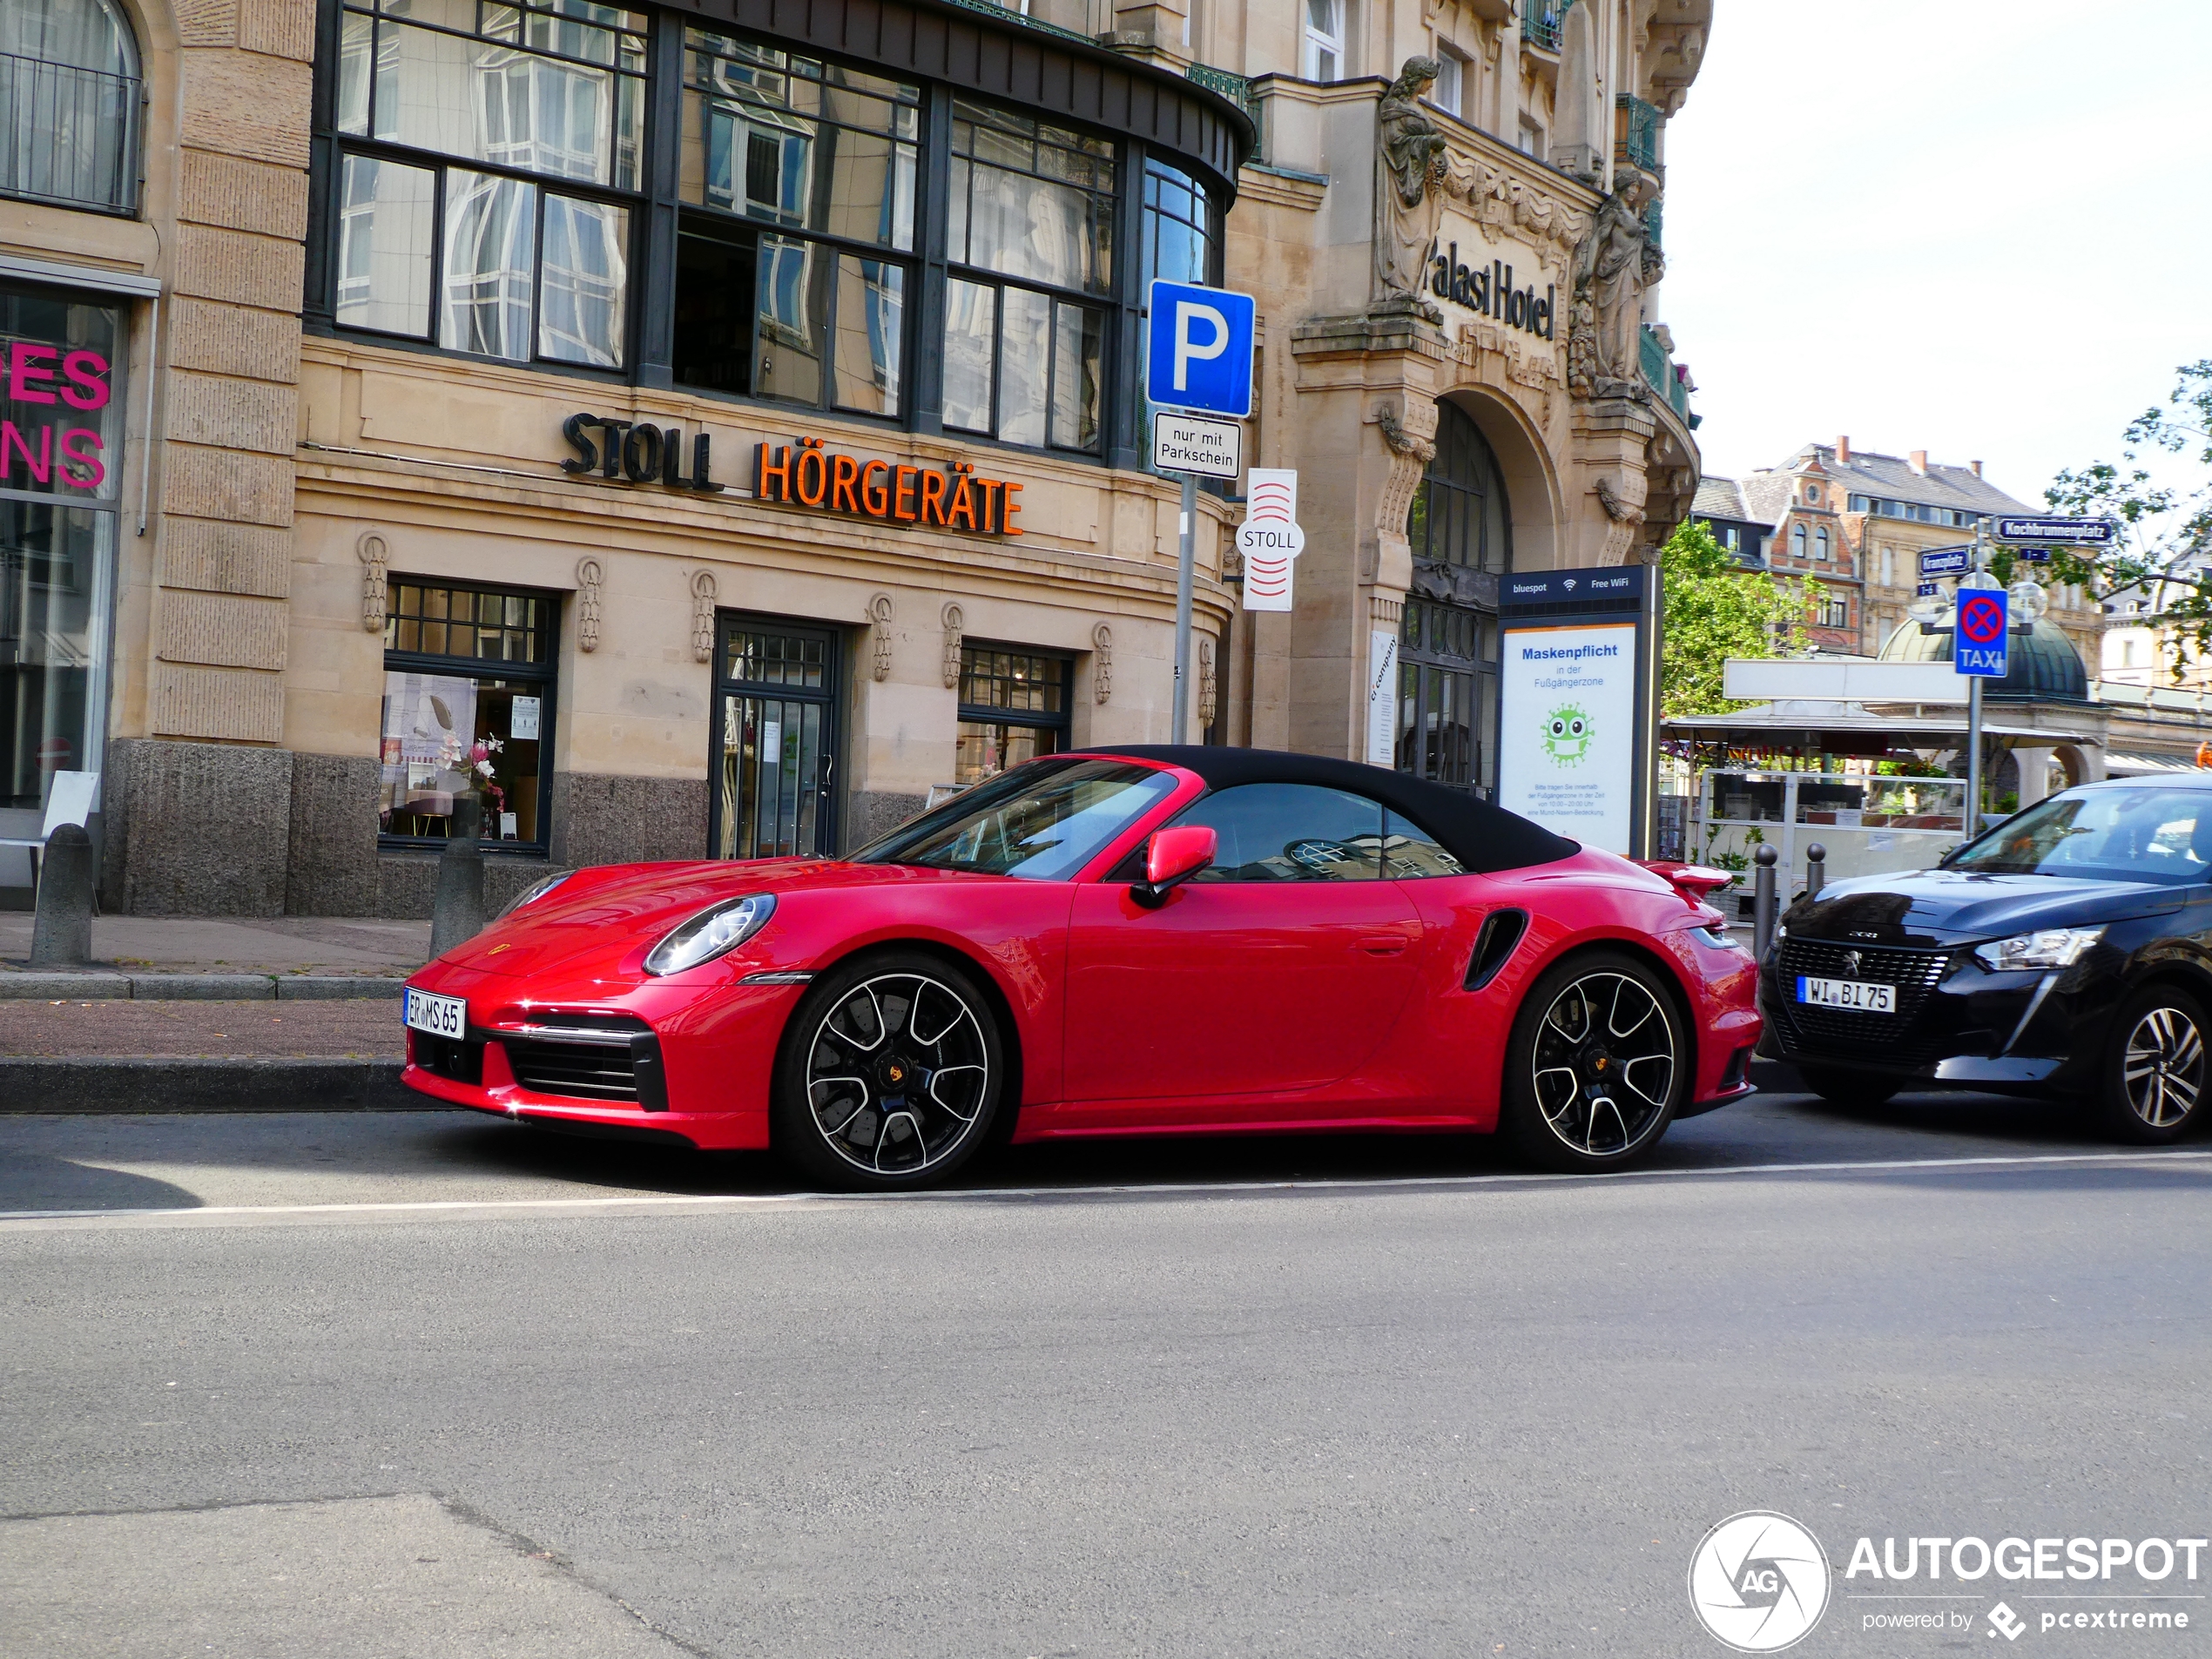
<point>1291,832</point>
<point>1409,850</point>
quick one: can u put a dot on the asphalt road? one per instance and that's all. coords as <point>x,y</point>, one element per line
<point>414,1384</point>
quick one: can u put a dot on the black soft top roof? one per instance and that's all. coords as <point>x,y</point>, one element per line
<point>1484,838</point>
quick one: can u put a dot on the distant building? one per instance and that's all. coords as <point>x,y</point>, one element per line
<point>1719,506</point>
<point>2141,647</point>
<point>1859,522</point>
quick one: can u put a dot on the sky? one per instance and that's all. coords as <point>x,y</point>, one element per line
<point>1982,228</point>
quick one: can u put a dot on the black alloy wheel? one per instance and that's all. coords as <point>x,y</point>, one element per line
<point>2154,1074</point>
<point>1599,1061</point>
<point>1839,1087</point>
<point>890,1075</point>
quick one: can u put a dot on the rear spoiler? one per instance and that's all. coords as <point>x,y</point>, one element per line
<point>1695,882</point>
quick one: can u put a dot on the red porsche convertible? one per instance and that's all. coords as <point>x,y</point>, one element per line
<point>1142,941</point>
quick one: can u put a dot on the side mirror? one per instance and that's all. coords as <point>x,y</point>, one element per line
<point>1171,858</point>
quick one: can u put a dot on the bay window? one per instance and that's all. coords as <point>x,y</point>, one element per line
<point>669,202</point>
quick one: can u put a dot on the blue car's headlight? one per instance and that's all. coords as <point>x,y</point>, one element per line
<point>715,930</point>
<point>2051,947</point>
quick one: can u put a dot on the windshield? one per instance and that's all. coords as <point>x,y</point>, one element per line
<point>1043,821</point>
<point>2147,834</point>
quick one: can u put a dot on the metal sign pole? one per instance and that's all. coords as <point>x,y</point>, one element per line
<point>1184,559</point>
<point>1973,701</point>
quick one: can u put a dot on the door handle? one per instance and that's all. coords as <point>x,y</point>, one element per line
<point>1384,944</point>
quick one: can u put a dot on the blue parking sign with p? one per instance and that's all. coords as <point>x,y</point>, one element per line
<point>1200,357</point>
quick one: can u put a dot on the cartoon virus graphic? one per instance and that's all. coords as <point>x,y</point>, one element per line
<point>1567,735</point>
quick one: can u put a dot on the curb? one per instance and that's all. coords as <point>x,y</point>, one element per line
<point>195,988</point>
<point>75,1085</point>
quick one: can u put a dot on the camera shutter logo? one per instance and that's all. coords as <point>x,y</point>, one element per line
<point>1758,1582</point>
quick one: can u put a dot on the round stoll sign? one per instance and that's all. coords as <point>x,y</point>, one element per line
<point>1758,1582</point>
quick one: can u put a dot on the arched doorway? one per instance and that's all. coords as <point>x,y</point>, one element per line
<point>1460,528</point>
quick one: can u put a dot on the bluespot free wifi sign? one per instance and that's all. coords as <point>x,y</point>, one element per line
<point>1200,354</point>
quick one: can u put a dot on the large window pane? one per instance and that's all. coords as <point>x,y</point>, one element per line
<point>584,282</point>
<point>69,103</point>
<point>1289,832</point>
<point>53,637</point>
<point>385,214</point>
<point>1031,200</point>
<point>483,102</point>
<point>1025,364</point>
<point>791,304</point>
<point>490,246</point>
<point>971,333</point>
<point>1074,377</point>
<point>871,315</point>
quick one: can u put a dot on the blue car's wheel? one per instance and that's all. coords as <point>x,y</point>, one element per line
<point>2154,1075</point>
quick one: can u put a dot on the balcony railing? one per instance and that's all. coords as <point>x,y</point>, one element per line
<point>68,136</point>
<point>1660,373</point>
<point>1654,223</point>
<point>1236,88</point>
<point>1635,132</point>
<point>1540,20</point>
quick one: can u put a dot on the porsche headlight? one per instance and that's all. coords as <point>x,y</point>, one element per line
<point>2051,947</point>
<point>715,930</point>
<point>535,891</point>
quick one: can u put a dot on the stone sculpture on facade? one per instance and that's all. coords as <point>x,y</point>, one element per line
<point>374,556</point>
<point>703,596</point>
<point>1614,265</point>
<point>1410,177</point>
<point>591,574</point>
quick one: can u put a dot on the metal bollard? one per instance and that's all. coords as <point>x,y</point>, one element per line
<point>1763,902</point>
<point>458,912</point>
<point>61,932</point>
<point>1816,870</point>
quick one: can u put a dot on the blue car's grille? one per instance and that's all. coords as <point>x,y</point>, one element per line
<point>1844,1034</point>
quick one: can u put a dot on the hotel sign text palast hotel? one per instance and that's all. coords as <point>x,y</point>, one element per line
<point>706,428</point>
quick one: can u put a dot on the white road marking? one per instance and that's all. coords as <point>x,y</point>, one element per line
<point>467,1209</point>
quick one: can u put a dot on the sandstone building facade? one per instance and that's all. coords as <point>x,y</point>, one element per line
<point>708,429</point>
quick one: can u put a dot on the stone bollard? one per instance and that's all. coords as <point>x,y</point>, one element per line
<point>1816,870</point>
<point>458,913</point>
<point>61,933</point>
<point>1762,900</point>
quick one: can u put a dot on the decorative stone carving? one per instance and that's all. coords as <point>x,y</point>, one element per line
<point>1496,197</point>
<point>1411,440</point>
<point>1209,690</point>
<point>1612,266</point>
<point>1102,667</point>
<point>1623,504</point>
<point>880,615</point>
<point>955,622</point>
<point>373,555</point>
<point>1411,166</point>
<point>703,616</point>
<point>590,573</point>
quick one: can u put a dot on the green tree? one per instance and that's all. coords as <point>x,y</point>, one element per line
<point>2166,527</point>
<point>1717,609</point>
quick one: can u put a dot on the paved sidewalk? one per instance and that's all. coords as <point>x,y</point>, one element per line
<point>229,945</point>
<point>367,1029</point>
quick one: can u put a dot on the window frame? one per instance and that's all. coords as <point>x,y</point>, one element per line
<point>127,198</point>
<point>333,146</point>
<point>545,673</point>
<point>1060,723</point>
<point>1314,41</point>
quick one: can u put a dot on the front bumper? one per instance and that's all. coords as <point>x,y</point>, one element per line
<point>1957,1024</point>
<point>653,1061</point>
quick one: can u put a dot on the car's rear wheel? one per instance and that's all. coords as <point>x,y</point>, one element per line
<point>1598,1063</point>
<point>2154,1075</point>
<point>891,1073</point>
<point>1839,1087</point>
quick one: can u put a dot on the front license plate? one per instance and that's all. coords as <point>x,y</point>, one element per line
<point>1858,994</point>
<point>442,1016</point>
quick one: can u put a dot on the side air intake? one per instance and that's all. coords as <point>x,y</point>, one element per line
<point>1501,931</point>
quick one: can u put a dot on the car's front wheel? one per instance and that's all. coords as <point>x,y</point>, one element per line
<point>891,1072</point>
<point>1598,1063</point>
<point>2154,1074</point>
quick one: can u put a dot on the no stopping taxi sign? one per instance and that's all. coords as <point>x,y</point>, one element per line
<point>1983,629</point>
